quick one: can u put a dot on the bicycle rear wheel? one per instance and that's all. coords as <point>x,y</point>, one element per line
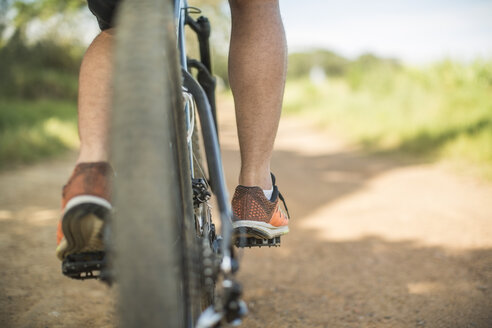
<point>153,228</point>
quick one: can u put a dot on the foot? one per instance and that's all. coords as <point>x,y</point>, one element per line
<point>256,216</point>
<point>85,203</point>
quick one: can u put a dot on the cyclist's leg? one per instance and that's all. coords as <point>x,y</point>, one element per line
<point>94,86</point>
<point>257,68</point>
<point>94,99</point>
<point>86,196</point>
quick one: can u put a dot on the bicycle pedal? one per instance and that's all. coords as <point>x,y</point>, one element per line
<point>242,242</point>
<point>84,266</point>
<point>253,237</point>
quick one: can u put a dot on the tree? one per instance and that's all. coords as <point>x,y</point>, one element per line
<point>43,9</point>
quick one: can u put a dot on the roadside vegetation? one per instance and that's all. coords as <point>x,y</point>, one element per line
<point>40,56</point>
<point>38,81</point>
<point>38,88</point>
<point>441,111</point>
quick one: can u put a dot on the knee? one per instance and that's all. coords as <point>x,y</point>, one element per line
<point>108,33</point>
<point>103,41</point>
<point>105,37</point>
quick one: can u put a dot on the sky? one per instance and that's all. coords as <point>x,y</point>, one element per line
<point>415,31</point>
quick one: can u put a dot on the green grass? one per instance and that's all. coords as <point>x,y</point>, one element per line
<point>32,130</point>
<point>443,111</point>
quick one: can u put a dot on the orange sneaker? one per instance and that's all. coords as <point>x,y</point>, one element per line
<point>85,204</point>
<point>256,216</point>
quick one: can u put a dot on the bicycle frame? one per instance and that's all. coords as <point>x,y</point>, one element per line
<point>180,7</point>
<point>203,92</point>
<point>212,150</point>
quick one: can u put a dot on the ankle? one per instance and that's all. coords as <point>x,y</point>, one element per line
<point>92,156</point>
<point>256,179</point>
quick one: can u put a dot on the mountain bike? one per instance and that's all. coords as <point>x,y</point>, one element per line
<point>171,266</point>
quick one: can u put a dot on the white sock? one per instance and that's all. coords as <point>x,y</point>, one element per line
<point>268,193</point>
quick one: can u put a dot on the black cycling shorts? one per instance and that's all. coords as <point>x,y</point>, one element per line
<point>104,10</point>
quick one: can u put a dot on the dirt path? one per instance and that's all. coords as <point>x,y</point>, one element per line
<point>373,243</point>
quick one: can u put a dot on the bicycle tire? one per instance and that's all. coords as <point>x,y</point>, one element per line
<point>152,230</point>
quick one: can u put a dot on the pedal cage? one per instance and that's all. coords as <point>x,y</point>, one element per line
<point>242,242</point>
<point>84,266</point>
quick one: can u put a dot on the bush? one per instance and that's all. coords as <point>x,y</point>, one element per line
<point>300,64</point>
<point>440,111</point>
<point>33,130</point>
<point>43,70</point>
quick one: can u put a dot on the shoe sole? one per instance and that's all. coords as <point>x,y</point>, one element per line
<point>246,228</point>
<point>82,225</point>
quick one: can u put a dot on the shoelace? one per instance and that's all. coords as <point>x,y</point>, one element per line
<point>285,205</point>
<point>280,195</point>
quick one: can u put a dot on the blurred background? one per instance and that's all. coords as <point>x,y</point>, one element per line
<point>384,156</point>
<point>412,77</point>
